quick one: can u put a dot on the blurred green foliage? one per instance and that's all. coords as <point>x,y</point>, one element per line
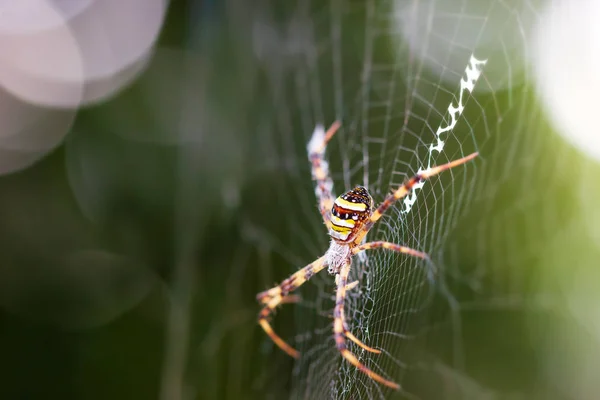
<point>135,249</point>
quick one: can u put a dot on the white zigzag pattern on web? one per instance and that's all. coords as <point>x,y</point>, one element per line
<point>472,72</point>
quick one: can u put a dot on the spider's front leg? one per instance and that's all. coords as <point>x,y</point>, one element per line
<point>278,295</point>
<point>320,168</point>
<point>405,189</point>
<point>390,246</point>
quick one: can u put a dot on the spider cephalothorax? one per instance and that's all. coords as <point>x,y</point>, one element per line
<point>348,219</point>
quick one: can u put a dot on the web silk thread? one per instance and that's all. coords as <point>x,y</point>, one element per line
<point>467,84</point>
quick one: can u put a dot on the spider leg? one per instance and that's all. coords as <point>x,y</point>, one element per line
<point>405,189</point>
<point>320,168</point>
<point>352,285</point>
<point>377,245</point>
<point>339,332</point>
<point>293,282</point>
<point>273,297</point>
<point>390,246</point>
<point>263,321</point>
<point>347,332</point>
<point>350,336</point>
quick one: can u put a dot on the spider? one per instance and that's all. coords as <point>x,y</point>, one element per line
<point>348,219</point>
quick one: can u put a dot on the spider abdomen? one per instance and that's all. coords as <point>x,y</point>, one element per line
<point>349,212</point>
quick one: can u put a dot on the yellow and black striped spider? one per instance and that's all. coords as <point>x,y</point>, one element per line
<point>348,219</point>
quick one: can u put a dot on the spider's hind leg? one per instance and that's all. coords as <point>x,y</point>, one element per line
<point>349,286</point>
<point>278,295</point>
<point>347,332</point>
<point>263,321</point>
<point>340,333</point>
<point>350,336</point>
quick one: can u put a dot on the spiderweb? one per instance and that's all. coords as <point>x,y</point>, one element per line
<point>415,84</point>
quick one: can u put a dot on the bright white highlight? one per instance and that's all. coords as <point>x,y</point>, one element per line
<point>472,72</point>
<point>315,144</point>
<point>59,55</point>
<point>467,84</point>
<point>53,50</point>
<point>566,51</point>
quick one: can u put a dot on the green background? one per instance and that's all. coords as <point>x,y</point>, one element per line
<point>176,187</point>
